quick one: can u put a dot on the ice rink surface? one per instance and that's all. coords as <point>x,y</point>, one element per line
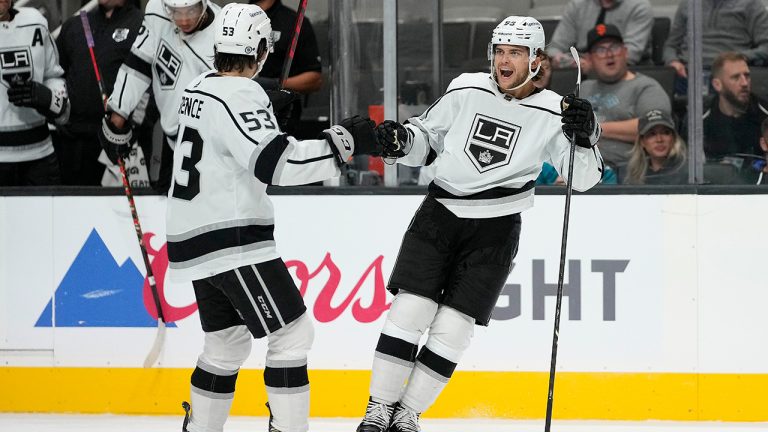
<point>111,423</point>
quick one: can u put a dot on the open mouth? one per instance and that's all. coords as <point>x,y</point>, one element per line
<point>506,73</point>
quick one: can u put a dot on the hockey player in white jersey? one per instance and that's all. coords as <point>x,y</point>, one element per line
<point>32,91</point>
<point>487,137</point>
<point>174,45</point>
<point>220,223</point>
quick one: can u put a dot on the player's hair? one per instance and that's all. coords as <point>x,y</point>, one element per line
<point>542,55</point>
<point>224,62</point>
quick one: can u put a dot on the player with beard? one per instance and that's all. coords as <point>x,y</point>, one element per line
<point>487,137</point>
<point>732,121</point>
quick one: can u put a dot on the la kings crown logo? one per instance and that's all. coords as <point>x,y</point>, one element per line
<point>167,66</point>
<point>491,142</point>
<point>15,65</point>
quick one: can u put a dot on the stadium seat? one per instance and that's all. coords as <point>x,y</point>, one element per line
<point>659,34</point>
<point>664,75</point>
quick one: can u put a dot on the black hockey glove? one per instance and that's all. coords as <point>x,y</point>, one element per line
<point>31,94</point>
<point>268,83</point>
<point>578,119</point>
<point>363,132</point>
<point>395,139</point>
<point>352,136</point>
<point>115,141</point>
<point>283,106</point>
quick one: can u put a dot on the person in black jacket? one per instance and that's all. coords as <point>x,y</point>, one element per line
<point>114,24</point>
<point>305,75</point>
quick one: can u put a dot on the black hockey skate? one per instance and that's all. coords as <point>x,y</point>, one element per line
<point>186,407</point>
<point>404,420</point>
<point>377,417</point>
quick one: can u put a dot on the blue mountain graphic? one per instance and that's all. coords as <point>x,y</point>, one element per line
<point>97,292</point>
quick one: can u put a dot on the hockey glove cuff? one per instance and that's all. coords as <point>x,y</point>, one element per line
<point>578,120</point>
<point>115,141</point>
<point>363,132</point>
<point>341,142</point>
<point>396,139</point>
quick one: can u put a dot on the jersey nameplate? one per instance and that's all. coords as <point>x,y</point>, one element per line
<point>15,65</point>
<point>491,142</point>
<point>167,66</point>
<point>190,107</point>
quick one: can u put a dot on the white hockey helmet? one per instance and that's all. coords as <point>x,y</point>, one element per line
<point>241,29</point>
<point>170,5</point>
<point>522,31</point>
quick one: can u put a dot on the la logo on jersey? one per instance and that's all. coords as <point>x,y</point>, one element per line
<point>15,65</point>
<point>491,142</point>
<point>167,66</point>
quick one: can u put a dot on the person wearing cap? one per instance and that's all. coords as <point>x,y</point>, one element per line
<point>618,95</point>
<point>634,17</point>
<point>659,153</point>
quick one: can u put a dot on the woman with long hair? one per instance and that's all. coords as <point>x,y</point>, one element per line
<point>659,153</point>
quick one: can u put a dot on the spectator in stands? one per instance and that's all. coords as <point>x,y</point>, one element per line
<point>728,25</point>
<point>618,95</point>
<point>733,118</point>
<point>114,24</point>
<point>659,153</point>
<point>305,75</point>
<point>762,167</point>
<point>32,92</point>
<point>633,17</point>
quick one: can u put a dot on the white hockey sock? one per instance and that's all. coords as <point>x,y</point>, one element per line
<point>395,354</point>
<point>285,375</point>
<point>211,398</point>
<point>449,337</point>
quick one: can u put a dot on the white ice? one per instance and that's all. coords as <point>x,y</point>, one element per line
<point>114,423</point>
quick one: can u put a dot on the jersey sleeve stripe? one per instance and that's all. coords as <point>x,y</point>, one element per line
<point>122,92</point>
<point>139,65</point>
<point>157,16</point>
<point>543,109</point>
<point>234,121</point>
<point>426,113</point>
<point>24,137</point>
<point>269,158</point>
<point>310,160</point>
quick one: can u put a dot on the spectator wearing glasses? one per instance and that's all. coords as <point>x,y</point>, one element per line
<point>618,95</point>
<point>659,154</point>
<point>633,17</point>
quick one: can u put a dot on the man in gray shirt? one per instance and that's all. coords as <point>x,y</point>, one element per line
<point>618,95</point>
<point>728,25</point>
<point>633,17</point>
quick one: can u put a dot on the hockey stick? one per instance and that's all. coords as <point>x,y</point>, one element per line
<point>563,243</point>
<point>294,42</point>
<point>157,346</point>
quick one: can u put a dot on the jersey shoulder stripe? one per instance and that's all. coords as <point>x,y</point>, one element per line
<point>226,107</point>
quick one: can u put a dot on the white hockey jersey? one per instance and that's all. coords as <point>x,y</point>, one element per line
<point>166,58</point>
<point>488,148</point>
<point>27,52</point>
<point>219,216</point>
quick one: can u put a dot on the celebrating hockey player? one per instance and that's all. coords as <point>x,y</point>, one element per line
<point>33,91</point>
<point>220,223</point>
<point>487,137</point>
<point>174,45</point>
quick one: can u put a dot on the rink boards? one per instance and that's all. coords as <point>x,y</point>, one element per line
<point>663,319</point>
